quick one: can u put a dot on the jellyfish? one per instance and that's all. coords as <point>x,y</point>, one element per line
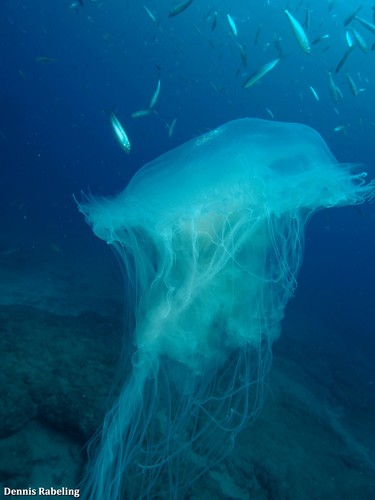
<point>210,239</point>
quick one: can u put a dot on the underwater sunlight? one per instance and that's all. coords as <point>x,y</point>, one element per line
<point>210,238</point>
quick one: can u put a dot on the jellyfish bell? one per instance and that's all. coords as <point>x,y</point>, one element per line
<point>210,238</point>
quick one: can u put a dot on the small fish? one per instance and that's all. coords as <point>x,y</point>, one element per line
<point>45,59</point>
<point>352,85</point>
<point>155,97</point>
<point>257,75</point>
<point>353,88</point>
<point>366,24</point>
<point>360,41</point>
<point>232,25</point>
<point>172,127</point>
<point>340,128</point>
<point>270,113</point>
<point>306,23</point>
<point>333,90</point>
<point>208,15</point>
<point>179,8</point>
<point>344,58</point>
<point>351,16</point>
<point>331,4</point>
<point>277,44</point>
<point>242,54</point>
<point>314,93</point>
<point>214,21</point>
<point>120,134</point>
<point>150,14</point>
<point>349,39</point>
<point>216,88</point>
<point>299,33</point>
<point>319,39</point>
<point>141,113</point>
<point>257,34</point>
<point>198,30</point>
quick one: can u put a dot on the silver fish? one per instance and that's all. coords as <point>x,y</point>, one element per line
<point>344,58</point>
<point>155,96</point>
<point>150,14</point>
<point>351,16</point>
<point>141,113</point>
<point>120,134</point>
<point>299,33</point>
<point>257,75</point>
<point>314,93</point>
<point>360,40</point>
<point>172,127</point>
<point>232,25</point>
<point>179,8</point>
<point>352,85</point>
<point>214,21</point>
<point>242,54</point>
<point>333,90</point>
<point>340,128</point>
<point>349,39</point>
<point>366,24</point>
<point>319,39</point>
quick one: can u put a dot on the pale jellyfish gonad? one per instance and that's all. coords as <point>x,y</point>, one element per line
<point>210,238</point>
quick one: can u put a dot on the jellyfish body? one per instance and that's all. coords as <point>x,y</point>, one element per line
<point>210,237</point>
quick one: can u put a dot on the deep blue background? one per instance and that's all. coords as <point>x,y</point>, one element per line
<point>55,136</point>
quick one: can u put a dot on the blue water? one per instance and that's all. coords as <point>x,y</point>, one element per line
<point>56,138</point>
